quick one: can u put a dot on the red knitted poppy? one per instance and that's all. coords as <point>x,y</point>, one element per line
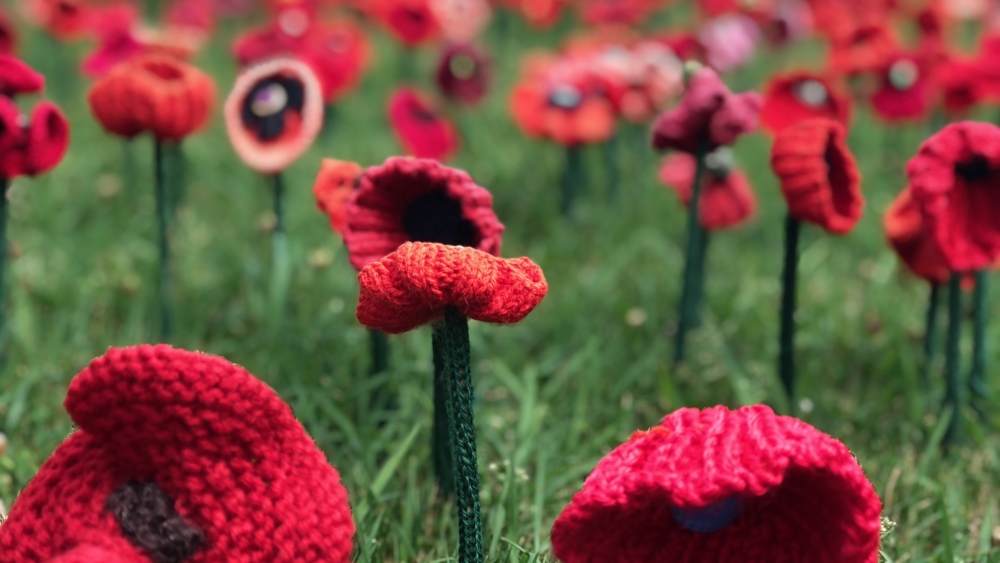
<point>215,440</point>
<point>8,35</point>
<point>955,179</point>
<point>802,95</point>
<point>909,237</point>
<point>336,181</point>
<point>726,198</point>
<point>412,287</point>
<point>906,92</point>
<point>744,486</point>
<point>420,129</point>
<point>410,21</point>
<point>16,77</point>
<point>862,47</point>
<point>30,146</point>
<point>409,199</point>
<point>819,177</point>
<point>708,116</point>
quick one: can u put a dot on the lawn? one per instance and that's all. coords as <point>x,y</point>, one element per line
<point>554,393</point>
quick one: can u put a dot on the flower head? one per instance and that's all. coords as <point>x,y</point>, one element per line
<point>415,200</point>
<point>413,285</point>
<point>28,145</point>
<point>16,77</point>
<point>175,455</point>
<point>955,179</point>
<point>726,198</point>
<point>905,92</point>
<point>336,181</point>
<point>862,47</point>
<point>818,174</point>
<point>720,485</point>
<point>463,74</point>
<point>907,232</point>
<point>421,130</point>
<point>274,113</point>
<point>8,35</point>
<point>411,22</point>
<point>798,96</point>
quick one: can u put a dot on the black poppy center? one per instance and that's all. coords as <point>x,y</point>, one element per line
<point>264,108</point>
<point>147,518</point>
<point>977,169</point>
<point>435,217</point>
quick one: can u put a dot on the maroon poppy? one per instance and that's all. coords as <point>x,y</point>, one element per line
<point>463,73</point>
<point>955,179</point>
<point>905,92</point>
<point>726,198</point>
<point>417,200</point>
<point>422,131</point>
<point>802,95</point>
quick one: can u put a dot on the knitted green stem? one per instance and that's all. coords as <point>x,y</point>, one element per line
<point>163,289</point>
<point>689,292</point>
<point>453,333</point>
<point>280,263</point>
<point>380,351</point>
<point>953,387</point>
<point>786,354</point>
<point>701,259</point>
<point>977,376</point>
<point>611,166</point>
<point>3,260</point>
<point>440,446</point>
<point>930,335</point>
<point>572,179</point>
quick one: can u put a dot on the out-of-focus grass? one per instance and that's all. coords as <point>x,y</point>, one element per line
<point>554,393</point>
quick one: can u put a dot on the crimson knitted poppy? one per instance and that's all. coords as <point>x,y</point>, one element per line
<point>463,73</point>
<point>179,456</point>
<point>417,200</point>
<point>410,21</point>
<point>423,132</point>
<point>726,197</point>
<point>906,91</point>
<point>29,145</point>
<point>802,95</point>
<point>16,77</point>
<point>909,237</point>
<point>743,486</point>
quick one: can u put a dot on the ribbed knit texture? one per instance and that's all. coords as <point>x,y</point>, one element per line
<point>216,440</point>
<point>726,199</point>
<point>801,95</point>
<point>805,498</point>
<point>413,285</point>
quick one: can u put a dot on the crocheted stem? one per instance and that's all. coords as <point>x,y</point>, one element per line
<point>130,169</point>
<point>977,376</point>
<point>572,179</point>
<point>440,446</point>
<point>175,166</point>
<point>281,268</point>
<point>930,335</point>
<point>4,183</point>
<point>611,155</point>
<point>953,388</point>
<point>380,351</point>
<point>701,258</point>
<point>453,333</point>
<point>163,288</point>
<point>786,354</point>
<point>689,292</point>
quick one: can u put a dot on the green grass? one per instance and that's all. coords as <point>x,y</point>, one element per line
<point>554,393</point>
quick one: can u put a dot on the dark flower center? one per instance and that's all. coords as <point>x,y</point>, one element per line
<point>840,181</point>
<point>265,106</point>
<point>565,97</point>
<point>147,518</point>
<point>435,217</point>
<point>975,170</point>
<point>711,518</point>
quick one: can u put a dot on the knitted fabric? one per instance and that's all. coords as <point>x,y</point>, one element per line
<point>726,199</point>
<point>707,117</point>
<point>422,131</point>
<point>411,22</point>
<point>16,77</point>
<point>909,237</point>
<point>955,179</point>
<point>336,181</point>
<point>33,148</point>
<point>906,91</point>
<point>218,442</point>
<point>864,47</point>
<point>154,93</point>
<point>464,73</point>
<point>818,174</point>
<point>802,95</point>
<point>274,113</point>
<point>413,285</point>
<point>744,486</point>
<point>8,34</point>
<point>461,21</point>
<point>415,200</point>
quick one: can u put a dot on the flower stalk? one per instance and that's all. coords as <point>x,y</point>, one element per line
<point>953,387</point>
<point>930,334</point>
<point>572,179</point>
<point>692,263</point>
<point>786,354</point>
<point>163,287</point>
<point>281,268</point>
<point>977,375</point>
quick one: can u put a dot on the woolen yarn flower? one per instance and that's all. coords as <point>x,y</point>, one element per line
<point>955,179</point>
<point>412,286</point>
<point>274,113</point>
<point>707,117</point>
<point>464,73</point>
<point>179,457</point>
<point>410,21</point>
<point>726,199</point>
<point>422,131</point>
<point>797,96</point>
<point>818,174</point>
<point>29,145</point>
<point>418,200</point>
<point>16,77</point>
<point>906,91</point>
<point>908,235</point>
<point>334,185</point>
<point>743,486</point>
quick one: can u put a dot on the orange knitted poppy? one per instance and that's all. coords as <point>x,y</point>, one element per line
<point>333,187</point>
<point>413,286</point>
<point>819,176</point>
<point>154,93</point>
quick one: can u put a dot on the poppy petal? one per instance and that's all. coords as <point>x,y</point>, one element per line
<point>48,139</point>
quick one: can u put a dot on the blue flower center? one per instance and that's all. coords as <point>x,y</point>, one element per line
<point>711,518</point>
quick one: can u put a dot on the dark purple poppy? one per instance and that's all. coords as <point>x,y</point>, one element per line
<point>464,73</point>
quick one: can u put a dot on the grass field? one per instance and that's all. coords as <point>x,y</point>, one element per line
<point>555,392</point>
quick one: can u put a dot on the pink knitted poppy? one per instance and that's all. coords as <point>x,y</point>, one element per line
<point>744,486</point>
<point>708,116</point>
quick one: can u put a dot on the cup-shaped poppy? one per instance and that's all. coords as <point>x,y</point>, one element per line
<point>274,113</point>
<point>863,47</point>
<point>155,93</point>
<point>31,145</point>
<point>727,486</point>
<point>707,117</point>
<point>336,180</point>
<point>167,465</point>
<point>905,92</point>
<point>461,20</point>
<point>955,179</point>
<point>464,73</point>
<point>16,77</point>
<point>964,84</point>
<point>726,199</point>
<point>818,174</point>
<point>338,52</point>
<point>411,22</point>
<point>414,200</point>
<point>909,236</point>
<point>422,131</point>
<point>801,95</point>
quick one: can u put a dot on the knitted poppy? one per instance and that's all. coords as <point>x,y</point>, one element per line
<point>707,117</point>
<point>743,486</point>
<point>955,179</point>
<point>726,199</point>
<point>818,174</point>
<point>461,21</point>
<point>16,77</point>
<point>863,47</point>
<point>802,95</point>
<point>179,456</point>
<point>153,93</point>
<point>408,199</point>
<point>8,35</point>
<point>909,237</point>
<point>463,74</point>
<point>412,286</point>
<point>411,22</point>
<point>963,84</point>
<point>905,92</point>
<point>116,43</point>
<point>420,129</point>
<point>336,181</point>
<point>30,146</point>
<point>63,19</point>
<point>640,80</point>
<point>274,113</point>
